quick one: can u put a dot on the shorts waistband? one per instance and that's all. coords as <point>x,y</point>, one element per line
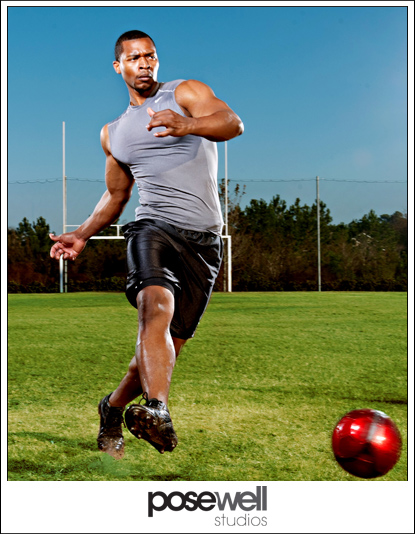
<point>193,234</point>
<point>187,234</point>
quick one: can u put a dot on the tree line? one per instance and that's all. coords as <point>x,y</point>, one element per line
<point>274,248</point>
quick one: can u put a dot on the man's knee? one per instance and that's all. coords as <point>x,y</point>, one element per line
<point>133,368</point>
<point>155,304</point>
<point>178,345</point>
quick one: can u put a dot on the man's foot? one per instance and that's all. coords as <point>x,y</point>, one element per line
<point>110,438</point>
<point>151,421</point>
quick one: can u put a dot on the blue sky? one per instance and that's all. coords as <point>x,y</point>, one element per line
<point>321,90</point>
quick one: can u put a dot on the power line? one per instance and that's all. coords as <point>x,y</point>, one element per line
<point>35,181</point>
<point>293,180</point>
<point>367,181</point>
<point>85,180</point>
<point>55,180</point>
<point>51,180</point>
<point>326,180</point>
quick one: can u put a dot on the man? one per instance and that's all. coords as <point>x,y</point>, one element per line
<point>165,142</point>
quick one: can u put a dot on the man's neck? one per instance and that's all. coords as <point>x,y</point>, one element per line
<point>137,98</point>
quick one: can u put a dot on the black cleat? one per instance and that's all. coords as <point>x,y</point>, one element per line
<point>110,438</point>
<point>152,422</point>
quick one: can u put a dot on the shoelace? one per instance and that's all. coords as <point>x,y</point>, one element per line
<point>144,397</point>
<point>152,403</point>
<point>113,418</point>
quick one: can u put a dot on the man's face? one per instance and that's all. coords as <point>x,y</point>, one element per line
<point>138,64</point>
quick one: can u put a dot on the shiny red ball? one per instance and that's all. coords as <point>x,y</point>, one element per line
<point>366,443</point>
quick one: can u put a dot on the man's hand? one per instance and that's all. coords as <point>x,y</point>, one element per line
<point>69,245</point>
<point>205,115</point>
<point>176,125</point>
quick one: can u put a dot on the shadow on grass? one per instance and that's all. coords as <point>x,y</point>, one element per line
<point>26,470</point>
<point>391,401</point>
<point>167,478</point>
<point>52,438</point>
<point>76,464</point>
<point>309,392</point>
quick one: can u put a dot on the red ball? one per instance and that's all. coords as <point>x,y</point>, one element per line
<point>366,443</point>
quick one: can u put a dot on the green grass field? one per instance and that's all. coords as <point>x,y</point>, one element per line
<point>255,395</point>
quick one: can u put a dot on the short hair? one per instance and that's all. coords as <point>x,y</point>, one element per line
<point>128,36</point>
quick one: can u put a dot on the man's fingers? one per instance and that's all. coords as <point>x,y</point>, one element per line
<point>54,250</point>
<point>165,133</point>
<point>57,250</point>
<point>155,124</point>
<point>54,237</point>
<point>70,256</point>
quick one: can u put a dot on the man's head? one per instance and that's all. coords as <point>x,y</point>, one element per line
<point>136,60</point>
<point>128,36</point>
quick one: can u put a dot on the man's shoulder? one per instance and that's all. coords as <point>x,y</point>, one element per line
<point>117,119</point>
<point>108,129</point>
<point>193,86</point>
<point>193,91</point>
<point>170,87</point>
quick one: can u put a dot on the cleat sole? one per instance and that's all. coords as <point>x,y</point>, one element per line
<point>143,425</point>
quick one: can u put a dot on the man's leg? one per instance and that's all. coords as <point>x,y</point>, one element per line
<point>151,367</point>
<point>156,356</point>
<point>130,386</point>
<point>155,351</point>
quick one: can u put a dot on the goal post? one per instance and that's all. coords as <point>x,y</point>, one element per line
<point>117,236</point>
<point>227,239</point>
<point>227,286</point>
<point>63,265</point>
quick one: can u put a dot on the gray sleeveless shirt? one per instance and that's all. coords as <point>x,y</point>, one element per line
<point>176,176</point>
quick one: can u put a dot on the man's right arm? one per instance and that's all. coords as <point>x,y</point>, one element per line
<point>119,183</point>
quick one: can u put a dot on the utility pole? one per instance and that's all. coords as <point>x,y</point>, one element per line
<point>318,234</point>
<point>227,281</point>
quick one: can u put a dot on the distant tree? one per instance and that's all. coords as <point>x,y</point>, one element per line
<point>274,247</point>
<point>28,254</point>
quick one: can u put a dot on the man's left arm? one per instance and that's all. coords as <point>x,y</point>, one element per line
<point>206,115</point>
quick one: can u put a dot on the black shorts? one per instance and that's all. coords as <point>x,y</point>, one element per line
<point>183,261</point>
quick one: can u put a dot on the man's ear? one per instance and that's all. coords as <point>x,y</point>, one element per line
<point>116,65</point>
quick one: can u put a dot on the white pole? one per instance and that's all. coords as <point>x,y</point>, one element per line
<point>61,273</point>
<point>64,287</point>
<point>229,264</point>
<point>226,188</point>
<point>318,234</point>
<point>63,179</point>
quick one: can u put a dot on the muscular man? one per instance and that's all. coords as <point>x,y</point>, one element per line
<point>165,142</point>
